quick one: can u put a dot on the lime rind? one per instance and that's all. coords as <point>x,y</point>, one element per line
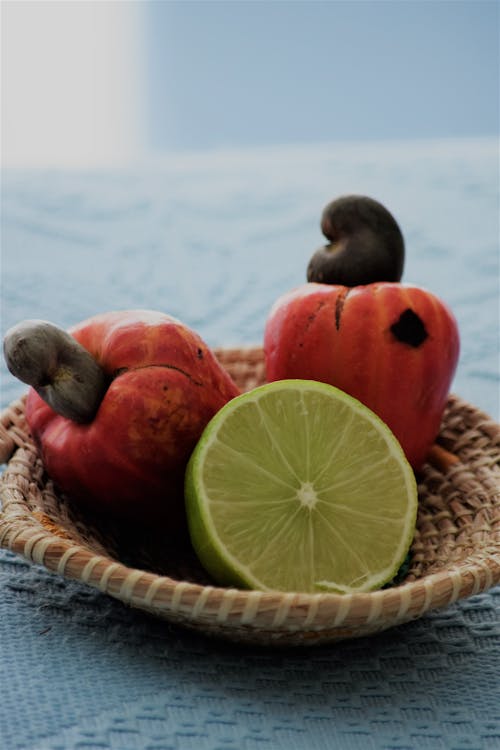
<point>275,462</point>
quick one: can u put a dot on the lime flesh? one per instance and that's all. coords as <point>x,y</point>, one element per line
<point>296,486</point>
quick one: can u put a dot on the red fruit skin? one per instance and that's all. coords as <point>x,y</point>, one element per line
<point>342,336</point>
<point>165,385</point>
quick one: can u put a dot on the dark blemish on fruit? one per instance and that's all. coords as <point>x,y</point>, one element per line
<point>200,353</point>
<point>339,306</point>
<point>409,329</point>
<point>312,316</point>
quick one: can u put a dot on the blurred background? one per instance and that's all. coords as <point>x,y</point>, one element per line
<point>178,154</point>
<point>110,82</point>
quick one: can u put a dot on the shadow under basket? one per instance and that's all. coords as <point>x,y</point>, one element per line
<point>455,551</point>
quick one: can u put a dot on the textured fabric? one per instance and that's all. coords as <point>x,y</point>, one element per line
<point>214,242</point>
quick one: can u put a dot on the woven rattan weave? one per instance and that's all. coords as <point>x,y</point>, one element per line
<point>455,552</point>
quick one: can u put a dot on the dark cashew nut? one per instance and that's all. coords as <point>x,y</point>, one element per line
<point>63,373</point>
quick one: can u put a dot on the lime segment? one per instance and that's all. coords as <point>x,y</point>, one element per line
<point>296,486</point>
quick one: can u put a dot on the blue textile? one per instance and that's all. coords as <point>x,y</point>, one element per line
<point>214,240</point>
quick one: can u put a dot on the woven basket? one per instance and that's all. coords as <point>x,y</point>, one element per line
<point>455,552</point>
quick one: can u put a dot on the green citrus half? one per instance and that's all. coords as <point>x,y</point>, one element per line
<point>296,486</point>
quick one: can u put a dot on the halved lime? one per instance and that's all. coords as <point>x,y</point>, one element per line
<point>296,486</point>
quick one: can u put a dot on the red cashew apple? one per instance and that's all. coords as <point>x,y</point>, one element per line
<point>134,391</point>
<point>392,346</point>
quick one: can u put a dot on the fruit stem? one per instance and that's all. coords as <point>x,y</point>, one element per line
<point>441,459</point>
<point>62,371</point>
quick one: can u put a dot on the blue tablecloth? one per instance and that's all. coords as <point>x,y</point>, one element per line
<point>213,239</point>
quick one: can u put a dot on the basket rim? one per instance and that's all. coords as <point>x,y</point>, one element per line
<point>322,616</point>
<point>39,534</point>
<point>184,601</point>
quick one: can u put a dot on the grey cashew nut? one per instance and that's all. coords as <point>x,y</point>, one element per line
<point>62,371</point>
